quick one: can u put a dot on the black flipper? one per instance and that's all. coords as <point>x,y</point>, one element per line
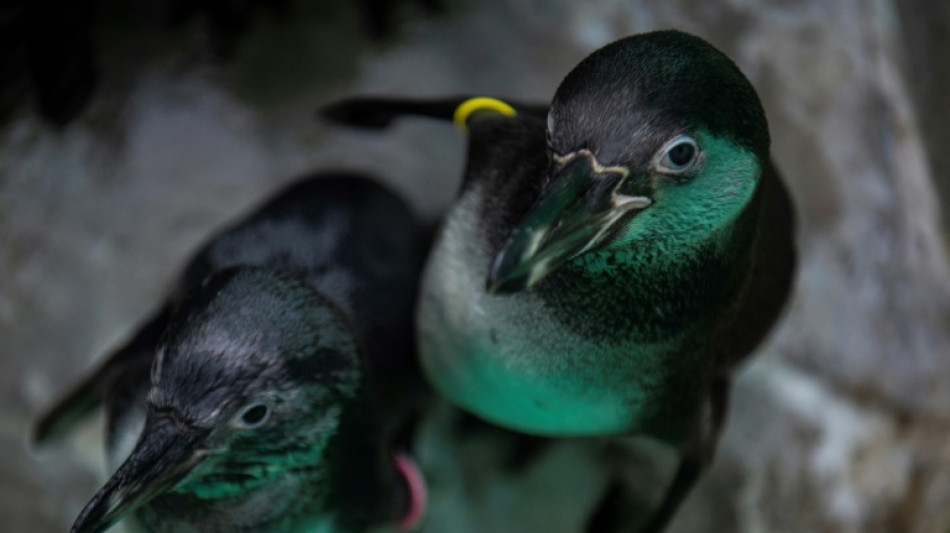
<point>694,459</point>
<point>88,395</point>
<point>379,113</point>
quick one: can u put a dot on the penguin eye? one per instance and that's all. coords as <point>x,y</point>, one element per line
<point>679,155</point>
<point>252,416</point>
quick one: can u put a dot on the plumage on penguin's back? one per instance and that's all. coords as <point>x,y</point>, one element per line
<point>355,242</point>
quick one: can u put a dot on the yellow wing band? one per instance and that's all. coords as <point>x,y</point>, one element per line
<point>479,103</point>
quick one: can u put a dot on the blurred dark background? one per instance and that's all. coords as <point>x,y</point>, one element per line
<point>130,129</point>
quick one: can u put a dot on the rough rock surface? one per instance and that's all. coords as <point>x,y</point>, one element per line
<point>842,424</point>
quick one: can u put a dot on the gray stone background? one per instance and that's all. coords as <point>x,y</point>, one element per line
<point>842,423</point>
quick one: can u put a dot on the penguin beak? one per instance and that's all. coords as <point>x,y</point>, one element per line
<point>572,216</point>
<point>163,456</point>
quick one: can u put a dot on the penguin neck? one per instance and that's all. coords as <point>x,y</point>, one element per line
<point>656,291</point>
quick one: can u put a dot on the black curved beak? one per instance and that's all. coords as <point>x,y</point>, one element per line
<point>572,216</point>
<point>165,453</point>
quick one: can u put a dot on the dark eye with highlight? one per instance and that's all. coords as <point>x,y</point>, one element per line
<point>679,155</point>
<point>253,416</point>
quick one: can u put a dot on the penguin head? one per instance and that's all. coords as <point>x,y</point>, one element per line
<point>250,386</point>
<point>656,141</point>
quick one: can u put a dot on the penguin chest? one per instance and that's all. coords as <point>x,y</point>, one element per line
<point>506,359</point>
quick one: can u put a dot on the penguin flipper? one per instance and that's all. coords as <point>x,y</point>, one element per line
<point>379,113</point>
<point>695,458</point>
<point>88,395</point>
<point>68,412</point>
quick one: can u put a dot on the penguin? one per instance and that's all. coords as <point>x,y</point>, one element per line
<point>611,257</point>
<point>268,392</point>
